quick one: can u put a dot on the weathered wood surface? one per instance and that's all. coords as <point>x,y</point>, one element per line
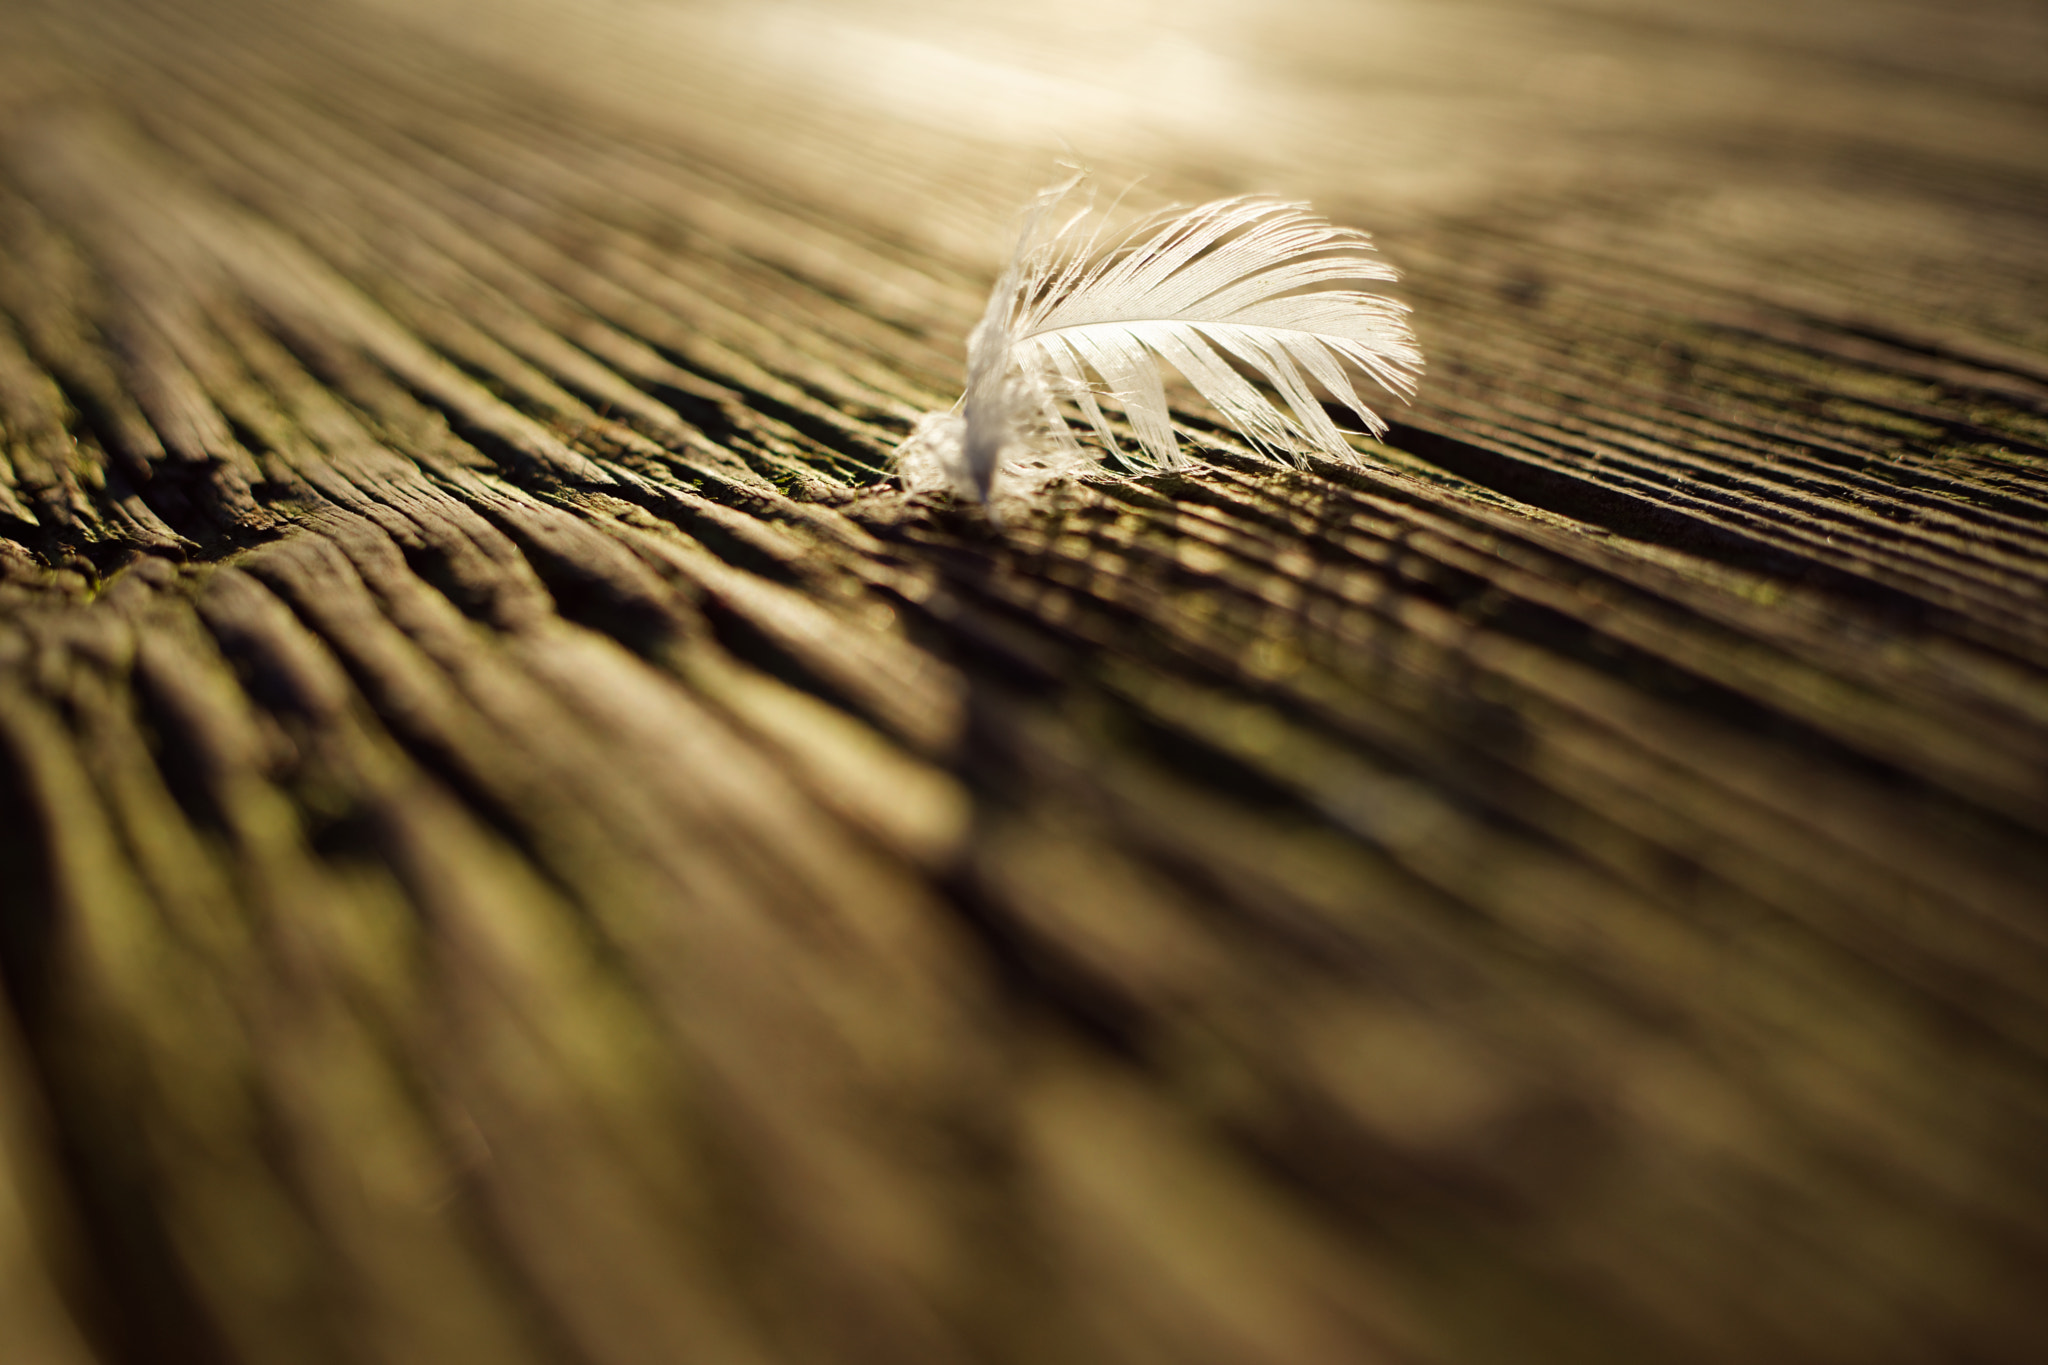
<point>516,848</point>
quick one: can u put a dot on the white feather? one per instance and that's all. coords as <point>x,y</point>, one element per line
<point>1247,284</point>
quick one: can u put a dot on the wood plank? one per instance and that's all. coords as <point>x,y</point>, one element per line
<point>520,842</point>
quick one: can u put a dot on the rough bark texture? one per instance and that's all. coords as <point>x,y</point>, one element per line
<point>518,846</point>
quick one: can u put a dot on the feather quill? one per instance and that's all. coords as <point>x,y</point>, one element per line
<point>1249,285</point>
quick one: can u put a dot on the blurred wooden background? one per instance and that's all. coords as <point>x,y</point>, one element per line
<point>517,844</point>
